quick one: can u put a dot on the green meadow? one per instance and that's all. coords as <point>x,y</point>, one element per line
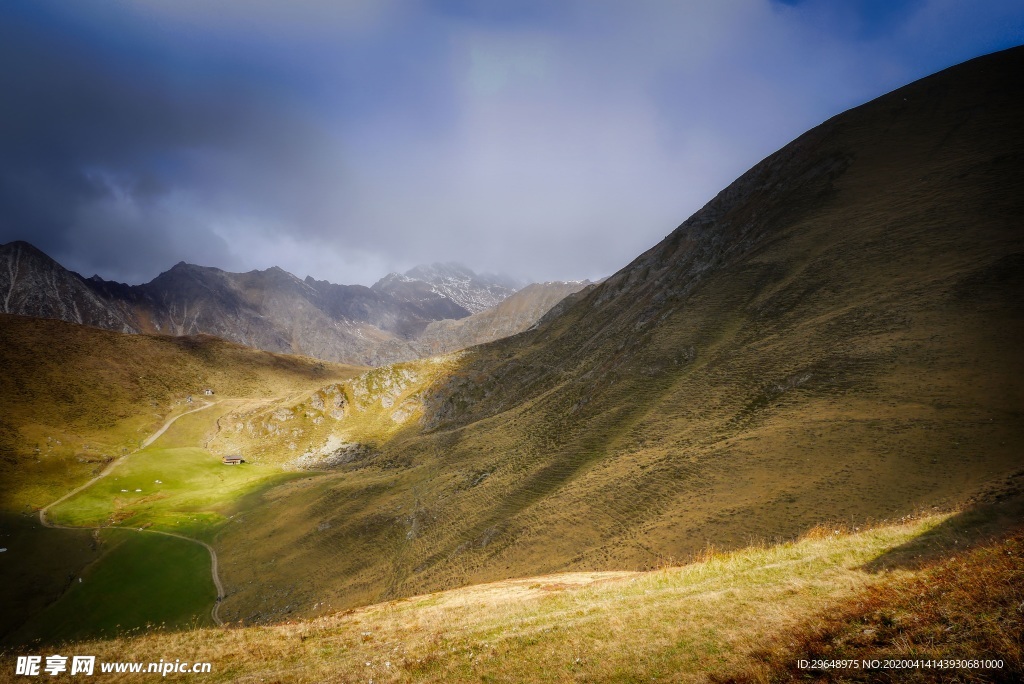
<point>139,581</point>
<point>133,578</point>
<point>186,490</point>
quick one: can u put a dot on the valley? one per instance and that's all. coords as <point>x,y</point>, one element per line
<point>106,449</point>
<point>806,399</point>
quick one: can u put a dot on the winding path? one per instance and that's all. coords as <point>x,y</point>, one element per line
<point>213,571</point>
<point>106,471</point>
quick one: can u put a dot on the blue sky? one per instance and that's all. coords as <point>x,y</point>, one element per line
<point>343,140</point>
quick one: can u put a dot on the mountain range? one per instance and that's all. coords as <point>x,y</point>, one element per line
<point>274,310</point>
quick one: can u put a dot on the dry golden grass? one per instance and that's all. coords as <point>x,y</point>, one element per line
<point>970,606</point>
<point>689,623</point>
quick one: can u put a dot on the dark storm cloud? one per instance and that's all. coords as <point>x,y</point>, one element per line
<point>342,140</point>
<point>110,142</point>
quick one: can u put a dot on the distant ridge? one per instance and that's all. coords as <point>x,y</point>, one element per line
<point>514,314</point>
<point>271,309</point>
<point>33,284</point>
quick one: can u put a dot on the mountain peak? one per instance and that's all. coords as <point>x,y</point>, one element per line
<point>268,308</point>
<point>436,269</point>
<point>18,243</point>
<point>470,291</point>
<point>23,247</point>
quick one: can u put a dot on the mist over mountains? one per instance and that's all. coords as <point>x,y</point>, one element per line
<point>275,311</point>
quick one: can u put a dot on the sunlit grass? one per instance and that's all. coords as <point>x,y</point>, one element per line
<point>969,606</point>
<point>81,397</point>
<point>672,624</point>
<point>184,490</point>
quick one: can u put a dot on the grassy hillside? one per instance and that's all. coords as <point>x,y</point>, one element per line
<point>726,617</point>
<point>76,397</point>
<point>836,335</point>
<point>337,422</point>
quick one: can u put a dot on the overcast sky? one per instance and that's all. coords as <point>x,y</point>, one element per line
<point>550,139</point>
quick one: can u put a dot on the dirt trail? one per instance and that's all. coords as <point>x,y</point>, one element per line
<point>213,571</point>
<point>106,471</point>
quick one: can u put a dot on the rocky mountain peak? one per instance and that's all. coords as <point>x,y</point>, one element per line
<point>473,292</point>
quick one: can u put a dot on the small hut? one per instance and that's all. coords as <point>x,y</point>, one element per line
<point>234,459</point>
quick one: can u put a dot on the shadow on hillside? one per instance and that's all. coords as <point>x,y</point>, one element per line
<point>998,515</point>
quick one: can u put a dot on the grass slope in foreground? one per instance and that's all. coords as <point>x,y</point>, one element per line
<point>723,617</point>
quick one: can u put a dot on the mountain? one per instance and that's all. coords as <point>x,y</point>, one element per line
<point>33,284</point>
<point>425,285</point>
<point>271,309</point>
<point>834,337</point>
<point>275,311</point>
<point>511,316</point>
